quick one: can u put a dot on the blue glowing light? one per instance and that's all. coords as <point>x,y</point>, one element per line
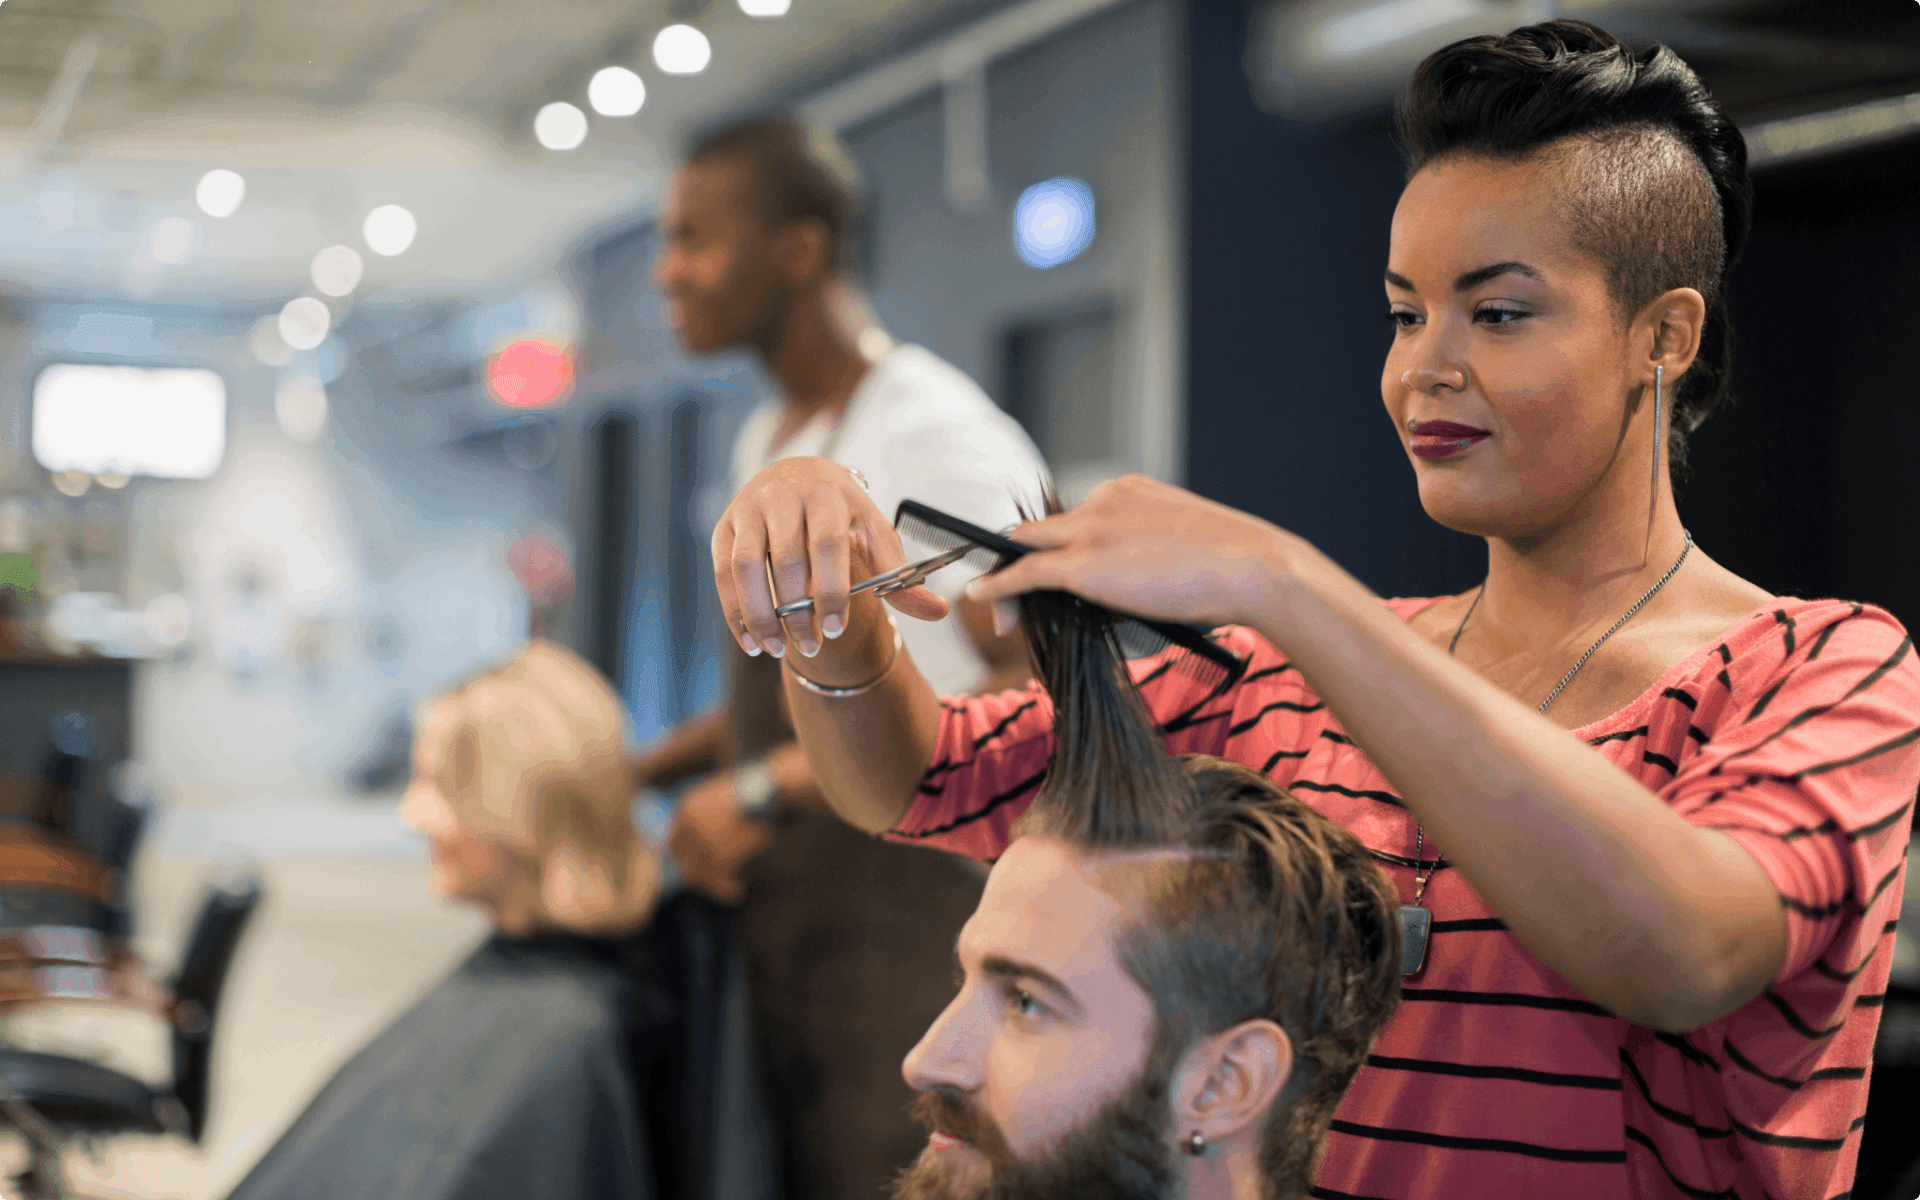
<point>1053,222</point>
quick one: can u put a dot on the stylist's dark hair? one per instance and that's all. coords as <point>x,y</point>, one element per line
<point>800,172</point>
<point>1658,189</point>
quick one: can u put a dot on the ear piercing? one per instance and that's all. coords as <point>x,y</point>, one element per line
<point>1197,1143</point>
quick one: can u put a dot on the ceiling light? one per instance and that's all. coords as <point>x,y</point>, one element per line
<point>267,344</point>
<point>337,270</point>
<point>304,322</point>
<point>389,230</point>
<point>171,240</point>
<point>682,50</point>
<point>219,193</point>
<point>560,126</point>
<point>765,8</point>
<point>616,92</point>
<point>300,405</point>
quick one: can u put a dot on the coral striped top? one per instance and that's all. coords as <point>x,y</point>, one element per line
<point>1798,733</point>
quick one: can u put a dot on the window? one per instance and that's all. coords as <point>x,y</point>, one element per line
<point>169,422</point>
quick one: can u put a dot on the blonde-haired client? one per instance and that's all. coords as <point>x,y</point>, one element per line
<point>522,788</point>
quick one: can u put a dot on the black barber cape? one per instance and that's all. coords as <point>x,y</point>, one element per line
<point>554,1069</point>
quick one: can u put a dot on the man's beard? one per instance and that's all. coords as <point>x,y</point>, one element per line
<point>1122,1152</point>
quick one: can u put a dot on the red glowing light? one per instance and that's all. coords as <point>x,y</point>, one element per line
<point>530,374</point>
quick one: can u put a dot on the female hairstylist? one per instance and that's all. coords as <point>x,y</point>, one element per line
<point>1647,821</point>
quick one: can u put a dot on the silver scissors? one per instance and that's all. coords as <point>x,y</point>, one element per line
<point>897,580</point>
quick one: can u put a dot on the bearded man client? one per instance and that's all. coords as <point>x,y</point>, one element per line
<point>1175,970</point>
<point>758,232</point>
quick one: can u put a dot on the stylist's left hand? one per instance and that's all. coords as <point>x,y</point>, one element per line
<point>1149,549</point>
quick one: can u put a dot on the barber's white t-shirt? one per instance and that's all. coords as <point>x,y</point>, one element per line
<point>918,429</point>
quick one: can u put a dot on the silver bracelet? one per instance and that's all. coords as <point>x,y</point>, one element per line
<point>859,689</point>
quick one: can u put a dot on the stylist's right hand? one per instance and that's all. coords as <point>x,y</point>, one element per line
<point>812,520</point>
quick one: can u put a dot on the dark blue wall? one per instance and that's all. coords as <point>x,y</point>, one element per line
<point>1287,237</point>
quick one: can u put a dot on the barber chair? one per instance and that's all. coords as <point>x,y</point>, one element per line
<point>64,926</point>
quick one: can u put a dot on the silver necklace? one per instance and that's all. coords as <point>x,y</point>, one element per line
<point>1416,921</point>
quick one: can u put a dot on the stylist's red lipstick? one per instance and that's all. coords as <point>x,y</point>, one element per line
<point>1443,439</point>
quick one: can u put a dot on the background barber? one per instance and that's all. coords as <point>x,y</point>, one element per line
<point>759,235</point>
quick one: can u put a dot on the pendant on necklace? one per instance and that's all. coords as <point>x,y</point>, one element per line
<point>1415,923</point>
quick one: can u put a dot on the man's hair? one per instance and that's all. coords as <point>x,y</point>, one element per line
<point>1655,174</point>
<point>1267,910</point>
<point>531,754</point>
<point>800,171</point>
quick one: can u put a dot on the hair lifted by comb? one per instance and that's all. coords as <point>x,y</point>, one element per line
<point>1110,784</point>
<point>1270,910</point>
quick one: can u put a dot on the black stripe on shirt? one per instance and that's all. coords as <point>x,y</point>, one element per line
<point>1697,1193</point>
<point>1157,672</point>
<point>1893,743</point>
<point>1477,1071</point>
<point>1265,672</point>
<point>1355,793</point>
<point>1780,615</point>
<point>1846,902</point>
<point>1672,1115</point>
<point>1886,822</point>
<point>1839,976</point>
<point>1784,835</point>
<point>1005,721</point>
<point>1688,1050</point>
<point>1272,706</point>
<point>1766,698</point>
<point>1793,1085</point>
<point>1799,1026</point>
<point>1504,999</point>
<point>1820,643</point>
<point>1798,719</point>
<point>1498,1145</point>
<point>1785,1140</point>
<point>1327,1193</point>
<point>1018,790</point>
<point>1683,697</point>
<point>1623,736</point>
<point>1280,754</point>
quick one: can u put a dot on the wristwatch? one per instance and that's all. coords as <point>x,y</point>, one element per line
<point>755,794</point>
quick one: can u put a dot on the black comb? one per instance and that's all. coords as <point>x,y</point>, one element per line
<point>1204,659</point>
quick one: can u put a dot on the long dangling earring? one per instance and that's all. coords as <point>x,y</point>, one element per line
<point>1659,448</point>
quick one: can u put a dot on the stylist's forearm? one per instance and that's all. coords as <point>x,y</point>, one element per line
<point>1597,876</point>
<point>868,752</point>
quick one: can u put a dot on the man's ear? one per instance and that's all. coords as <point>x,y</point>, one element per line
<point>802,250</point>
<point>1229,1081</point>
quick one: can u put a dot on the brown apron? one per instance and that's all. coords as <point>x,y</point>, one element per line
<point>850,948</point>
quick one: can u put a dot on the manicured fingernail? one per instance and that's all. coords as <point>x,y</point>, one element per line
<point>1005,620</point>
<point>749,645</point>
<point>832,625</point>
<point>776,647</point>
<point>973,590</point>
<point>809,647</point>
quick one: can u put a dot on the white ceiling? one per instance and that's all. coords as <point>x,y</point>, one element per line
<point>329,109</point>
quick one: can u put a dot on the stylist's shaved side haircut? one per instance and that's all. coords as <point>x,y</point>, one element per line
<point>1265,909</point>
